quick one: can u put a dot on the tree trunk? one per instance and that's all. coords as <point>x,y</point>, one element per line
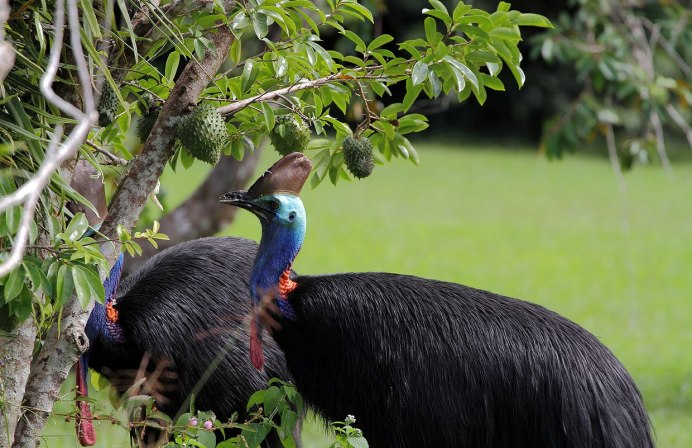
<point>201,214</point>
<point>16,349</point>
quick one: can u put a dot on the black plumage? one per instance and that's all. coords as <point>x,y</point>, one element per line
<point>188,307</point>
<point>426,363</point>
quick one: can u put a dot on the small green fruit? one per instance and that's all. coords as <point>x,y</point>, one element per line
<point>146,123</point>
<point>358,156</point>
<point>108,106</point>
<point>203,133</point>
<point>289,135</point>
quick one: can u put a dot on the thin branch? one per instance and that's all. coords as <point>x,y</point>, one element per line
<point>115,159</point>
<point>613,154</point>
<point>272,95</point>
<point>680,121</point>
<point>655,121</point>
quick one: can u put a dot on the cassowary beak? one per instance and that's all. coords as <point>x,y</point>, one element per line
<point>243,200</point>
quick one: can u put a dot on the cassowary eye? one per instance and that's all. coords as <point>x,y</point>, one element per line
<point>274,205</point>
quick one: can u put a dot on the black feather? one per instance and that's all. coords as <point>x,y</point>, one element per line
<point>424,363</point>
<point>189,307</point>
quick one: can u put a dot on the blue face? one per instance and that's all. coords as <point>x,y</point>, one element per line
<point>287,210</point>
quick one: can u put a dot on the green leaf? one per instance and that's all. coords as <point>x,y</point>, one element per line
<point>530,19</point>
<point>431,33</point>
<point>87,284</point>
<point>64,285</point>
<point>77,227</point>
<point>172,63</point>
<point>14,283</point>
<point>460,10</point>
<point>360,9</point>
<point>130,29</point>
<point>259,24</point>
<point>249,75</point>
<point>380,40</point>
<point>462,69</point>
<point>206,438</point>
<point>236,51</point>
<point>419,73</point>
<point>353,37</point>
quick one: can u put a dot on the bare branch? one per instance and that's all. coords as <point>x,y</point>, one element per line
<point>680,121</point>
<point>655,121</point>
<point>115,159</point>
<point>272,95</point>
<point>613,154</point>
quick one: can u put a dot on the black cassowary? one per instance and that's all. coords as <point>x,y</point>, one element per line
<point>181,308</point>
<point>425,363</point>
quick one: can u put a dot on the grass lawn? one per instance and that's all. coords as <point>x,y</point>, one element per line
<point>560,234</point>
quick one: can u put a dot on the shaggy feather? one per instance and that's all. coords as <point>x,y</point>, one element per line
<point>424,363</point>
<point>189,307</point>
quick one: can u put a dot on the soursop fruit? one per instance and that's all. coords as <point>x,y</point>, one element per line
<point>203,133</point>
<point>108,106</point>
<point>358,156</point>
<point>289,135</point>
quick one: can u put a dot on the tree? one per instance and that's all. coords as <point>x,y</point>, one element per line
<point>237,71</point>
<point>632,60</point>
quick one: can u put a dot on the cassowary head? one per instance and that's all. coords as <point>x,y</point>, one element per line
<point>102,323</point>
<point>273,198</point>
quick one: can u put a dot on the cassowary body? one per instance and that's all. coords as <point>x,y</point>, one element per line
<point>425,363</point>
<point>182,309</point>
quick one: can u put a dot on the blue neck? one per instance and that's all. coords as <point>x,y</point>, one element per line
<point>98,324</point>
<point>279,246</point>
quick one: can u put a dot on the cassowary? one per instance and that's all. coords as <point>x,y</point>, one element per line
<point>181,308</point>
<point>426,363</point>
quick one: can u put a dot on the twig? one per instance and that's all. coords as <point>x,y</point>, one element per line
<point>680,121</point>
<point>613,154</point>
<point>115,159</point>
<point>655,121</point>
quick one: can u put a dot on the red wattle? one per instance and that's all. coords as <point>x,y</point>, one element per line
<point>84,420</point>
<point>256,354</point>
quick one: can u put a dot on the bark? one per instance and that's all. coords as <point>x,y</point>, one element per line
<point>201,214</point>
<point>15,363</point>
<point>62,347</point>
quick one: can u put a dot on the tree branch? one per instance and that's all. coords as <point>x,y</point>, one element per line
<point>274,94</point>
<point>183,223</point>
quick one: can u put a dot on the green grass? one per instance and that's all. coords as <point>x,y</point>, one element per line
<point>560,234</point>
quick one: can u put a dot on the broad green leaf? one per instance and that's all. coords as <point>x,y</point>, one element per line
<point>419,73</point>
<point>353,37</point>
<point>77,227</point>
<point>460,10</point>
<point>380,40</point>
<point>259,24</point>
<point>249,75</point>
<point>64,285</point>
<point>87,284</point>
<point>530,19</point>
<point>14,283</point>
<point>431,34</point>
<point>463,69</point>
<point>360,9</point>
<point>172,63</point>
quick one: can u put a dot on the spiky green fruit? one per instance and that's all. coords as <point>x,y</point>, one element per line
<point>289,135</point>
<point>203,133</point>
<point>358,156</point>
<point>108,106</point>
<point>146,123</point>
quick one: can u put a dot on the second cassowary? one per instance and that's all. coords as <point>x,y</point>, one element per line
<point>426,363</point>
<point>181,309</point>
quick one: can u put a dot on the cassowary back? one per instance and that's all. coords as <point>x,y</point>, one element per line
<point>425,363</point>
<point>188,306</point>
